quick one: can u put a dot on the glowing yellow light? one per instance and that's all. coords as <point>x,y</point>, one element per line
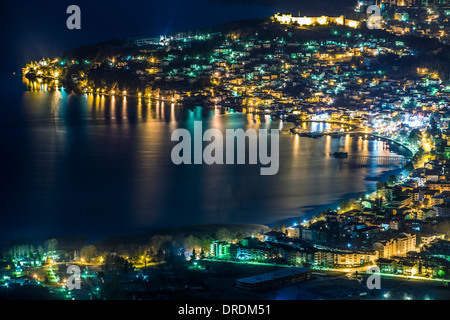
<point>353,24</point>
<point>322,20</point>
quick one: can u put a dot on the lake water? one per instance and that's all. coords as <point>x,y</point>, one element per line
<point>94,166</point>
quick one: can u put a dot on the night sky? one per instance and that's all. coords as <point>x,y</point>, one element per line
<point>35,29</point>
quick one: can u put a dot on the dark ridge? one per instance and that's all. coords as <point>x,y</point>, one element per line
<point>326,7</point>
<point>196,231</point>
<point>64,242</point>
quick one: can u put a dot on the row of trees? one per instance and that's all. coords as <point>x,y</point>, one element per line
<point>159,245</point>
<point>30,251</point>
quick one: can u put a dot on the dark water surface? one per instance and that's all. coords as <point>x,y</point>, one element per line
<point>95,166</point>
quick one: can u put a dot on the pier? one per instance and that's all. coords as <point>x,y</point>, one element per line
<point>361,160</point>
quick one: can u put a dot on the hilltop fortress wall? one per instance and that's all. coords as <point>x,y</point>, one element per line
<point>323,20</point>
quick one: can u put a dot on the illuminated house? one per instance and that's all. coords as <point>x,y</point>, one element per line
<point>28,262</point>
<point>248,253</point>
<point>387,265</point>
<point>403,3</point>
<point>220,249</point>
<point>251,248</point>
<point>350,259</point>
<point>354,258</point>
<point>294,232</point>
<point>399,246</point>
<point>428,238</point>
<point>323,258</point>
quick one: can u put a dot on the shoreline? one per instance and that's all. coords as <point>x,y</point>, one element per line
<point>306,212</point>
<point>311,211</point>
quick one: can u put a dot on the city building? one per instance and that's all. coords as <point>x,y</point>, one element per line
<point>220,249</point>
<point>397,246</point>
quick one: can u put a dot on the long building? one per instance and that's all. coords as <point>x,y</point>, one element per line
<point>275,279</point>
<point>322,20</point>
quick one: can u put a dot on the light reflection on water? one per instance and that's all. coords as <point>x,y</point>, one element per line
<point>103,164</point>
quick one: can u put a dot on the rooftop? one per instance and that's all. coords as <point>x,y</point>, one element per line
<point>274,275</point>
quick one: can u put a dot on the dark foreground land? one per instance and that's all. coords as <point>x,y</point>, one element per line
<point>218,283</point>
<point>215,280</point>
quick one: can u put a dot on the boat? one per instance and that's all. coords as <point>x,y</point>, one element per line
<point>340,154</point>
<point>336,135</point>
